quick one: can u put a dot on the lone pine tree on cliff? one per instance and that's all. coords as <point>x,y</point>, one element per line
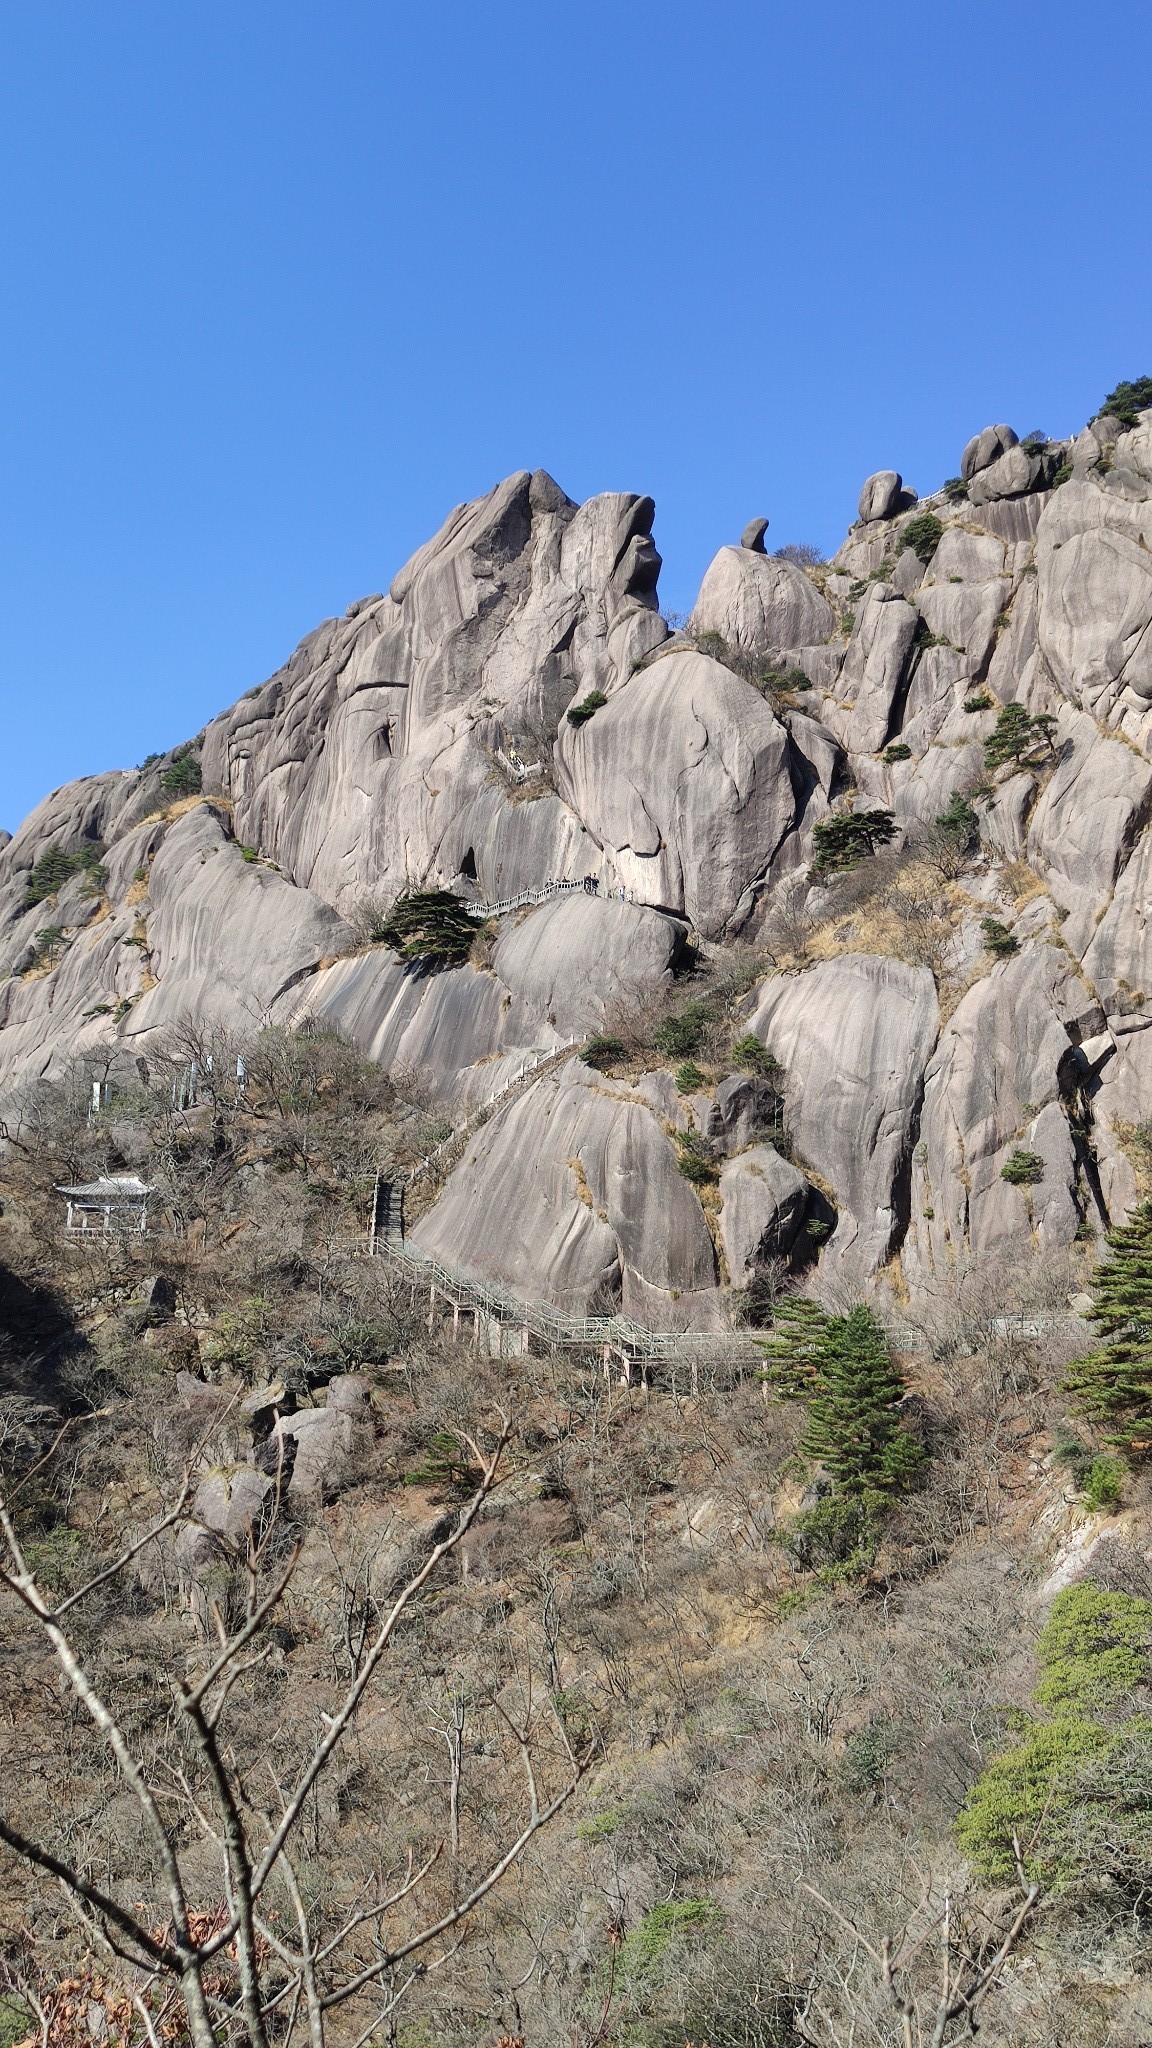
<point>1113,1384</point>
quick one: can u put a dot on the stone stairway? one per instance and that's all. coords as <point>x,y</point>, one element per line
<point>588,886</point>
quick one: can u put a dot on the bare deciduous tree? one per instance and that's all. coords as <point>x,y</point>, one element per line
<point>239,1941</point>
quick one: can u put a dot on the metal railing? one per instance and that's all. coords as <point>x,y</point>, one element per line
<point>554,1325</point>
<point>547,1056</point>
<point>588,884</point>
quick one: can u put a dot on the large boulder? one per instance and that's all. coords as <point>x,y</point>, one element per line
<point>230,1501</point>
<point>1094,583</point>
<point>573,1193</point>
<point>1012,475</point>
<point>759,604</point>
<point>1081,834</point>
<point>575,959</point>
<point>881,496</point>
<point>1118,957</point>
<point>870,680</point>
<point>984,449</point>
<point>764,1198</point>
<point>226,937</point>
<point>316,1448</point>
<point>683,779</point>
<point>854,1035</point>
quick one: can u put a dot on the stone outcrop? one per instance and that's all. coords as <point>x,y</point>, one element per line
<point>881,496</point>
<point>984,449</point>
<point>760,604</point>
<point>578,1181</point>
<point>998,1082</point>
<point>854,1036</point>
<point>423,739</point>
<point>764,1198</point>
<point>683,779</point>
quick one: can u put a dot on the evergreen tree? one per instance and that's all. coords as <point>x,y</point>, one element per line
<point>847,839</point>
<point>1130,398</point>
<point>182,776</point>
<point>429,927</point>
<point>1017,734</point>
<point>854,1425</point>
<point>1114,1383</point>
<point>959,822</point>
<point>794,1349</point>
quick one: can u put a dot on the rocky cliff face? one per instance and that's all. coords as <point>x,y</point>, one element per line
<point>423,740</point>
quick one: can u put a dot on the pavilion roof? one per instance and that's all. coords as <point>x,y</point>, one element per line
<point>115,1188</point>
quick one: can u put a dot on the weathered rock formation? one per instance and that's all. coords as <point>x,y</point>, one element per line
<point>423,740</point>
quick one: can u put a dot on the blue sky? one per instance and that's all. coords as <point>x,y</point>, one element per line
<point>284,282</point>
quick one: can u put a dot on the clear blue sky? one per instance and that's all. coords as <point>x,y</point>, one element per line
<point>283,282</point>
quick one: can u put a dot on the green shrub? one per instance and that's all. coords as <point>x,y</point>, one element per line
<point>1076,1789</point>
<point>49,944</point>
<point>958,822</point>
<point>587,708</point>
<point>751,1055</point>
<point>1128,400</point>
<point>923,535</point>
<point>182,775</point>
<point>867,1755</point>
<point>1060,475</point>
<point>1093,1649</point>
<point>690,1078</point>
<point>897,752</point>
<point>429,927</point>
<point>845,840</point>
<point>978,701</point>
<point>797,679</point>
<point>1023,1169</point>
<point>695,1161</point>
<point>671,1919</point>
<point>445,1468</point>
<point>1028,1792</point>
<point>17,2022</point>
<point>602,1826</point>
<point>839,1538</point>
<point>1103,1484</point>
<point>955,489</point>
<point>997,939</point>
<point>55,867</point>
<point>249,853</point>
<point>679,1036</point>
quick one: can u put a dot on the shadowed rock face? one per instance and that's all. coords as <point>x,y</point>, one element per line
<point>423,740</point>
<point>854,1036</point>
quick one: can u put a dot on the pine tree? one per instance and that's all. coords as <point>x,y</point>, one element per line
<point>1114,1383</point>
<point>1016,735</point>
<point>794,1350</point>
<point>854,1425</point>
<point>848,838</point>
<point>430,927</point>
